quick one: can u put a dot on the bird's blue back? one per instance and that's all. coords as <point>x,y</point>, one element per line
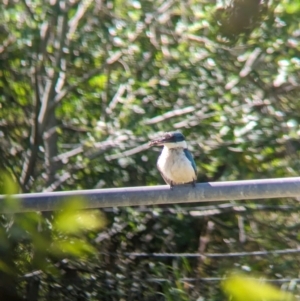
<point>191,159</point>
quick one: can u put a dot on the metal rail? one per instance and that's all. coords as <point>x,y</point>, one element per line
<point>155,195</point>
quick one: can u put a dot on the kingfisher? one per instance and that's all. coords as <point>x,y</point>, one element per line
<point>175,163</point>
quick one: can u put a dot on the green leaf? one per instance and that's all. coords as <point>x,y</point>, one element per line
<point>71,220</point>
<point>75,247</point>
<point>242,288</point>
<point>8,187</point>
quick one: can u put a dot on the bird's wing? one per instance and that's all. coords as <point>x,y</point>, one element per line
<point>191,159</point>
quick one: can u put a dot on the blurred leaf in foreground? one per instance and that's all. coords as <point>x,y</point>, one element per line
<point>7,184</point>
<point>71,219</point>
<point>70,227</point>
<point>242,288</point>
<point>75,247</point>
<point>8,187</point>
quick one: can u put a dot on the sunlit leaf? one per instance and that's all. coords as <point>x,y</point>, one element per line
<point>71,220</point>
<point>242,288</point>
<point>7,184</point>
<point>73,247</point>
<point>98,81</point>
<point>8,187</point>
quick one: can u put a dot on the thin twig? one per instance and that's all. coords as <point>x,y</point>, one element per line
<point>210,255</point>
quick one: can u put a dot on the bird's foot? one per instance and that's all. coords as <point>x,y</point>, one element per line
<point>171,185</point>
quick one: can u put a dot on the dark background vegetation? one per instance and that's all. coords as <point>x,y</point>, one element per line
<point>85,84</point>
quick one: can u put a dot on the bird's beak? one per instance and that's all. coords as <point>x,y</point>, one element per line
<point>155,142</point>
<point>159,141</point>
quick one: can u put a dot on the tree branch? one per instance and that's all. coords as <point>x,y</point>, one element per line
<point>170,114</point>
<point>35,139</point>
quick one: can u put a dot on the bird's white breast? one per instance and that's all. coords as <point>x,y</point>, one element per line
<point>176,166</point>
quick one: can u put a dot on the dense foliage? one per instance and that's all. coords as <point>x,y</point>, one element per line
<point>85,84</point>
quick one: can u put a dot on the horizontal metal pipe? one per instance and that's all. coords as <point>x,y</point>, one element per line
<point>155,195</point>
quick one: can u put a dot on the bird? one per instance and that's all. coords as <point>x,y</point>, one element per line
<point>175,163</point>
